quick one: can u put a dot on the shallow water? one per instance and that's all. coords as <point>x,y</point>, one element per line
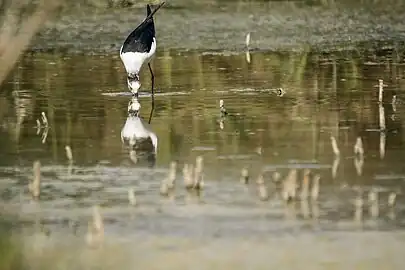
<point>334,94</point>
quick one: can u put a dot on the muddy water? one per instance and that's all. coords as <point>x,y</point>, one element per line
<point>227,225</point>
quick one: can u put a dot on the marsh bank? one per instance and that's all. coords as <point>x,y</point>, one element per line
<point>222,26</point>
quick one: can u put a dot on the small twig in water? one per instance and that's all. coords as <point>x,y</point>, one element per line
<point>98,220</point>
<point>391,203</point>
<point>188,176</point>
<point>44,119</point>
<point>380,90</point>
<point>244,176</point>
<point>373,203</point>
<point>305,209</point>
<point>315,187</point>
<point>305,185</point>
<point>198,173</point>
<point>289,189</point>
<point>358,212</point>
<point>38,124</point>
<point>260,179</point>
<point>358,164</point>
<point>276,177</point>
<point>131,196</point>
<point>164,189</point>
<point>392,199</point>
<point>168,183</point>
<point>247,40</point>
<point>35,185</point>
<point>44,135</point>
<point>248,56</point>
<point>95,234</point>
<point>335,166</point>
<point>335,147</point>
<point>381,115</point>
<point>69,154</point>
<point>261,188</point>
<point>358,147</point>
<point>394,103</point>
<point>171,178</point>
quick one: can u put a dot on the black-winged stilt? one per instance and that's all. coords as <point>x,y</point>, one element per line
<point>139,48</point>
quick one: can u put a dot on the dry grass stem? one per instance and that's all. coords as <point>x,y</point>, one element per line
<point>131,196</point>
<point>335,166</point>
<point>35,185</point>
<point>44,119</point>
<point>276,177</point>
<point>289,188</point>
<point>358,147</point>
<point>95,234</point>
<point>164,188</point>
<point>248,57</point>
<point>358,164</point>
<point>335,147</point>
<point>188,175</point>
<point>198,173</point>
<point>373,203</point>
<point>171,178</point>
<point>392,199</point>
<point>358,212</point>
<point>305,209</point>
<point>262,188</point>
<point>69,154</point>
<point>305,185</point>
<point>380,91</point>
<point>244,178</point>
<point>315,187</point>
<point>263,192</point>
<point>247,40</point>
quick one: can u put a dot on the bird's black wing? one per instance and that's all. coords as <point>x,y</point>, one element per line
<point>140,40</point>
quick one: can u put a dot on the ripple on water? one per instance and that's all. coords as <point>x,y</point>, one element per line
<point>144,94</point>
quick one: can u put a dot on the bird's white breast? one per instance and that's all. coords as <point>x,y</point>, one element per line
<point>133,61</point>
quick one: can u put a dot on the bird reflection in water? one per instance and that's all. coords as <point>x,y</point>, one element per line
<point>137,136</point>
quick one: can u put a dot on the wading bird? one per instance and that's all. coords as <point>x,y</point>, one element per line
<point>139,48</point>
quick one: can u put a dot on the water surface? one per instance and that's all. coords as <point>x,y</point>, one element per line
<point>326,94</point>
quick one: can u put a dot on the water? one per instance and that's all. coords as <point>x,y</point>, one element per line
<point>326,94</point>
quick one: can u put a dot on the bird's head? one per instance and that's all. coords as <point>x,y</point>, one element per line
<point>133,83</point>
